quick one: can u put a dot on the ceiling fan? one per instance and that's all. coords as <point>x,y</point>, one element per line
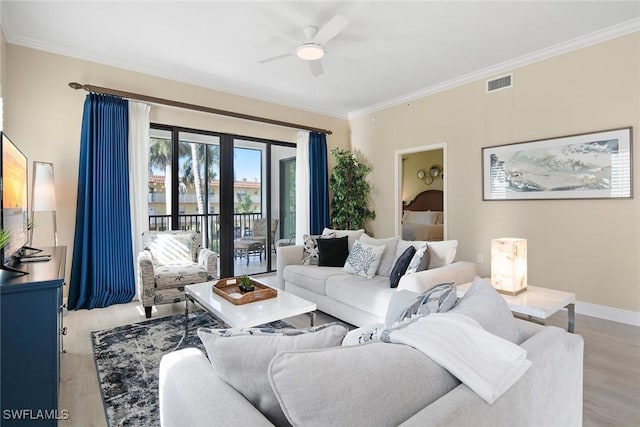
<point>312,48</point>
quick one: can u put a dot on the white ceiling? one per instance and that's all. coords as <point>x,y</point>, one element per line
<point>389,51</point>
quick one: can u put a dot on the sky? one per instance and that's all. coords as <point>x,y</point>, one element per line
<point>246,164</point>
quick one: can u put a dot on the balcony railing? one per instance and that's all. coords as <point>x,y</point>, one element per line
<point>241,224</point>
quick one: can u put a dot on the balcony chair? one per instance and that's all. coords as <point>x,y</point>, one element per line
<point>259,233</point>
<point>170,260</point>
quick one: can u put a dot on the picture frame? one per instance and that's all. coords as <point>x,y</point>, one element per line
<point>596,165</point>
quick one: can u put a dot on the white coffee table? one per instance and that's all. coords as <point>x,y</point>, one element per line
<point>537,303</point>
<point>246,315</point>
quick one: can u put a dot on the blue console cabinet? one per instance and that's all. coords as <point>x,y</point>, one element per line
<point>31,322</point>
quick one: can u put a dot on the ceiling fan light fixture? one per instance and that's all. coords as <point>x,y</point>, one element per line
<point>310,52</point>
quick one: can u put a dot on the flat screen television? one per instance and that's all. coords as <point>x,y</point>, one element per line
<point>13,186</point>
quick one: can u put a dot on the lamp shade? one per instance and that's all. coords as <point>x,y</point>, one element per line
<point>44,194</point>
<point>509,265</point>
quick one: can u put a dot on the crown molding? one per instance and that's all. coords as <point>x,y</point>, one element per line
<point>230,87</point>
<point>226,86</point>
<point>600,36</point>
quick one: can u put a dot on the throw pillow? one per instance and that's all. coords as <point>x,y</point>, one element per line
<point>310,251</point>
<point>484,304</point>
<point>439,217</point>
<point>353,235</point>
<point>439,299</point>
<point>332,252</point>
<point>400,267</point>
<point>171,249</point>
<point>389,255</point>
<point>421,217</point>
<point>241,358</point>
<point>374,384</point>
<point>364,259</point>
<point>420,260</point>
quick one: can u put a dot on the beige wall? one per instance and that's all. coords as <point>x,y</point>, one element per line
<point>43,117</point>
<point>3,74</point>
<point>590,247</point>
<point>411,163</point>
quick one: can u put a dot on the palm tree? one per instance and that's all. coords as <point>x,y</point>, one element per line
<point>160,157</point>
<point>191,167</point>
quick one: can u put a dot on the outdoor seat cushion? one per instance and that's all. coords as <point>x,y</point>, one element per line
<point>313,278</point>
<point>369,295</point>
<point>172,276</point>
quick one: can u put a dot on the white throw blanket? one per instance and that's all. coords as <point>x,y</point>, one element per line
<point>486,363</point>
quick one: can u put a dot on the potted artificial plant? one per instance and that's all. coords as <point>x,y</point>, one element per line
<point>350,190</point>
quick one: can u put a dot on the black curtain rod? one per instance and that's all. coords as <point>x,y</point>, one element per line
<point>178,104</point>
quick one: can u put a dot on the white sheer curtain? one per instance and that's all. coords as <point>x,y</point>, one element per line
<point>302,186</point>
<point>138,173</point>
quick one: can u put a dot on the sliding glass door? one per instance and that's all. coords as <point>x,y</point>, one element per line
<point>226,187</point>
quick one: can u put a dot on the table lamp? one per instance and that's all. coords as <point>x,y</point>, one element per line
<point>509,265</point>
<point>44,193</point>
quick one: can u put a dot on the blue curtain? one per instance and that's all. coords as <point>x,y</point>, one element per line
<point>102,266</point>
<point>318,183</point>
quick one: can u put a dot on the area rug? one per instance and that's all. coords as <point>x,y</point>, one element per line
<point>127,360</point>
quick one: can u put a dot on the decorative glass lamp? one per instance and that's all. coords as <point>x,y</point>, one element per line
<point>509,265</point>
<point>44,194</point>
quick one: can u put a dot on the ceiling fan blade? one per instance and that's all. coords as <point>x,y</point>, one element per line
<point>274,58</point>
<point>316,67</point>
<point>331,29</point>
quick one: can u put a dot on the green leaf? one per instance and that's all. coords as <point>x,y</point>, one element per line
<point>350,191</point>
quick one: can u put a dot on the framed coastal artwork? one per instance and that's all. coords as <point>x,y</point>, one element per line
<point>594,165</point>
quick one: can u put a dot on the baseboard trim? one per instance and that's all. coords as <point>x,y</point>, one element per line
<point>609,313</point>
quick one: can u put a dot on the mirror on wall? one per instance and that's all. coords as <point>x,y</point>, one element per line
<point>422,192</point>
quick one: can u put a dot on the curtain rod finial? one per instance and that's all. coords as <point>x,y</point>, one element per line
<point>75,85</point>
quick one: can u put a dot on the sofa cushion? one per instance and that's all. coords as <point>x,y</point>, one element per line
<point>311,277</point>
<point>364,259</point>
<point>484,304</point>
<point>171,276</point>
<point>374,384</point>
<point>241,358</point>
<point>389,255</point>
<point>332,252</point>
<point>401,265</point>
<point>369,295</point>
<point>442,253</point>
<point>352,235</point>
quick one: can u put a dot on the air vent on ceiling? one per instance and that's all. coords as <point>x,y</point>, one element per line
<point>499,83</point>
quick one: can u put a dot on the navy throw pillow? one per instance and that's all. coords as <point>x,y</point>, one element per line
<point>333,252</point>
<point>401,266</point>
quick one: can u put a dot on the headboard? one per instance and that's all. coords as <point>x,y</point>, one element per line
<point>428,200</point>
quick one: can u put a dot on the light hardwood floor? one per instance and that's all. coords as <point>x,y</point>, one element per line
<point>611,364</point>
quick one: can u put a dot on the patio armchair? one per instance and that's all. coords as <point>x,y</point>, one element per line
<point>259,233</point>
<point>170,260</point>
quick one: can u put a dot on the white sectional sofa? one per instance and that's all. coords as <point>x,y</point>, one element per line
<point>361,301</point>
<point>372,384</point>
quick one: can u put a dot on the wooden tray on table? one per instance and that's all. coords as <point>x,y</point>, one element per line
<point>229,289</point>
